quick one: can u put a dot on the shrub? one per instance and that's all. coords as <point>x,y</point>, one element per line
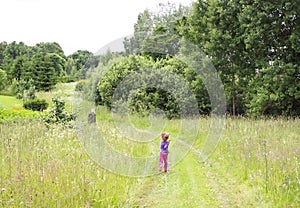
<point>14,115</point>
<point>58,114</point>
<point>66,79</point>
<point>36,105</point>
<point>81,85</point>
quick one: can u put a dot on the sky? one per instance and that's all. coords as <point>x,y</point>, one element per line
<point>74,24</point>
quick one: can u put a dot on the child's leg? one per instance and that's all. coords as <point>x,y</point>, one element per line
<point>165,159</point>
<point>160,161</point>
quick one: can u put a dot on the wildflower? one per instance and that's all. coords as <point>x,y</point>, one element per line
<point>3,189</point>
<point>30,197</point>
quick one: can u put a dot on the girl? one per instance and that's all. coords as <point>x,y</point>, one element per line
<point>164,144</point>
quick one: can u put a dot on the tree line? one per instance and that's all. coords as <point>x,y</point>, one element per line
<point>254,46</point>
<point>42,66</point>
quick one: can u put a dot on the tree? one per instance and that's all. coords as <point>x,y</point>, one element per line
<point>117,72</point>
<point>25,90</point>
<point>3,79</point>
<point>216,29</point>
<point>48,47</point>
<point>243,38</point>
<point>83,60</point>
<point>18,67</point>
<point>160,44</point>
<point>11,52</point>
<point>272,28</point>
<point>58,63</point>
<point>149,22</point>
<point>2,48</point>
<point>44,72</point>
<point>142,29</point>
<point>162,84</point>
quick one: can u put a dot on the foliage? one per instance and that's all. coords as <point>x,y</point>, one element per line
<point>36,105</point>
<point>81,85</point>
<point>2,48</point>
<point>45,63</point>
<point>242,39</point>
<point>150,25</point>
<point>275,92</point>
<point>16,114</point>
<point>57,114</point>
<point>160,44</point>
<point>3,79</point>
<point>165,89</point>
<point>44,71</point>
<point>52,48</point>
<point>117,73</point>
<point>25,90</point>
<point>10,53</point>
<point>79,62</point>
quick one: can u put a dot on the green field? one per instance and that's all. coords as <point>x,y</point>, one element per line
<point>10,102</point>
<point>255,165</point>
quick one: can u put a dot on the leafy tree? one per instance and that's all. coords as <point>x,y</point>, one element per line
<point>160,44</point>
<point>216,29</point>
<point>117,73</point>
<point>142,29</point>
<point>169,79</point>
<point>25,90</point>
<point>11,52</point>
<point>3,79</point>
<point>81,85</point>
<point>47,47</point>
<point>151,23</point>
<point>70,66</point>
<point>275,91</point>
<point>244,40</point>
<point>2,48</point>
<point>82,60</point>
<point>272,28</point>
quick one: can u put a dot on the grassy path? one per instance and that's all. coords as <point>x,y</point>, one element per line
<point>194,184</point>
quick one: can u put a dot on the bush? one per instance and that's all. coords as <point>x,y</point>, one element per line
<point>15,115</point>
<point>58,114</point>
<point>80,86</point>
<point>36,105</point>
<point>67,79</point>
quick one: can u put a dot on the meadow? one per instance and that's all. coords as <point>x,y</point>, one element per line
<point>256,164</point>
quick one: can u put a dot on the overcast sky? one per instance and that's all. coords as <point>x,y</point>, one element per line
<point>74,24</point>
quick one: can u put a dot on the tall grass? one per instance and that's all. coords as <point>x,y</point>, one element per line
<point>48,167</point>
<point>266,155</point>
